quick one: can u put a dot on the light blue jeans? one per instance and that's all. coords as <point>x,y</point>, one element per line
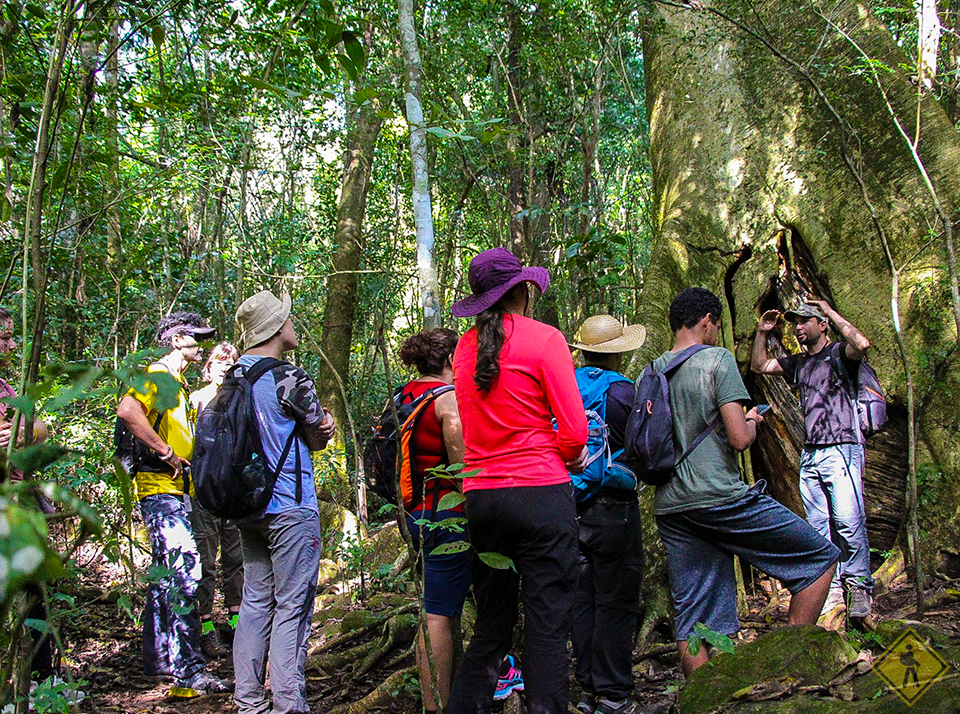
<point>831,486</point>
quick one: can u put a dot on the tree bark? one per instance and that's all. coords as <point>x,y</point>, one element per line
<point>422,208</point>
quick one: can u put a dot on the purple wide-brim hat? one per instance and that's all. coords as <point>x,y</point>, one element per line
<point>491,275</point>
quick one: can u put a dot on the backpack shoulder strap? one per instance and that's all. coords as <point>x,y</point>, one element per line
<point>682,357</point>
<point>260,368</point>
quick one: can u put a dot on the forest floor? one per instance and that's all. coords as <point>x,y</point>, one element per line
<point>103,648</point>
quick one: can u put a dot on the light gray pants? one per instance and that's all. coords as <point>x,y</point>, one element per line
<point>281,557</point>
<point>831,486</point>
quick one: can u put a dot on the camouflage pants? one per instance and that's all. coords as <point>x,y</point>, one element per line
<point>171,625</point>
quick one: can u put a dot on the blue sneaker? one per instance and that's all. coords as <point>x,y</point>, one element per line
<point>510,681</point>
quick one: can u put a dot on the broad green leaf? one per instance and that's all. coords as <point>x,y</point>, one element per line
<point>719,640</point>
<point>37,457</point>
<point>6,208</point>
<point>498,561</point>
<point>364,95</point>
<point>36,11</point>
<point>354,49</point>
<point>158,35</point>
<point>447,548</point>
<point>450,500</point>
<point>77,388</point>
<point>145,105</point>
<point>348,64</point>
<point>693,645</point>
<point>38,625</point>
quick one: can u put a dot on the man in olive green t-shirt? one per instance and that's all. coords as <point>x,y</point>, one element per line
<point>705,513</point>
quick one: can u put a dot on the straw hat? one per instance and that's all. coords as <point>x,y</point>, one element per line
<point>605,334</point>
<point>261,316</point>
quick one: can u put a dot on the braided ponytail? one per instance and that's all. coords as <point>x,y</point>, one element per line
<point>490,338</point>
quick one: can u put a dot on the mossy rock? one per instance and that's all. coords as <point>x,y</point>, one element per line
<point>326,614</point>
<point>355,619</point>
<point>386,545</point>
<point>387,601</point>
<point>943,697</point>
<point>327,574</point>
<point>946,645</point>
<point>805,652</point>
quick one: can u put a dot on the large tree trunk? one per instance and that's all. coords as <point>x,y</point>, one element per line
<point>756,201</point>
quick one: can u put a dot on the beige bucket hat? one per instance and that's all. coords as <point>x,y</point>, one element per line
<point>261,316</point>
<point>605,334</point>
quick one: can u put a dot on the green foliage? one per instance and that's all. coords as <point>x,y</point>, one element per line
<point>702,633</point>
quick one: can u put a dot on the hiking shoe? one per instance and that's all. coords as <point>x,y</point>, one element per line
<point>624,706</point>
<point>509,681</point>
<point>859,602</point>
<point>834,598</point>
<point>205,683</point>
<point>211,646</point>
<point>587,703</point>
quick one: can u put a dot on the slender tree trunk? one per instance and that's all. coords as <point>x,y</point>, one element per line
<point>338,316</point>
<point>114,237</point>
<point>928,41</point>
<point>33,219</point>
<point>422,208</point>
<point>516,188</point>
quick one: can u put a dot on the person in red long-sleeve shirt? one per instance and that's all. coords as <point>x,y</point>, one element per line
<point>513,376</point>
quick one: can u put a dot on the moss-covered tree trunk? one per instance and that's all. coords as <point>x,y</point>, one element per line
<point>755,201</point>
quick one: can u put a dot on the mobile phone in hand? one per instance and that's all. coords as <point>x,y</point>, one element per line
<point>763,409</point>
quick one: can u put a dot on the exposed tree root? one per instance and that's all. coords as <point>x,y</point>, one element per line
<point>657,611</point>
<point>382,695</point>
<point>658,651</point>
<point>332,661</point>
<point>361,631</point>
<point>398,632</point>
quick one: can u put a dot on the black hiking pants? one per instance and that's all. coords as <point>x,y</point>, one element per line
<point>608,596</point>
<point>536,527</point>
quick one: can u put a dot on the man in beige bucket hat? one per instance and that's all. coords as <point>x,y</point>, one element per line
<point>281,548</point>
<point>611,551</point>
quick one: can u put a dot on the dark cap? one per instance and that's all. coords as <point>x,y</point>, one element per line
<point>491,275</point>
<point>187,328</point>
<point>804,312</point>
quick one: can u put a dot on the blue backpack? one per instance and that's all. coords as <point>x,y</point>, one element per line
<point>602,469</point>
<point>649,440</point>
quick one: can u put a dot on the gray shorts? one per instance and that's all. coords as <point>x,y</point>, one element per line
<point>701,543</point>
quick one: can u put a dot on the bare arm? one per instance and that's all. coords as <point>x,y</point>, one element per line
<point>132,413</point>
<point>761,363</point>
<point>40,433</point>
<point>316,436</point>
<point>857,343</point>
<point>448,414</point>
<point>741,429</point>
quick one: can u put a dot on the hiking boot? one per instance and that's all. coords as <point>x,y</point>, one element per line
<point>211,646</point>
<point>509,681</point>
<point>624,706</point>
<point>587,703</point>
<point>859,602</point>
<point>205,683</point>
<point>834,598</point>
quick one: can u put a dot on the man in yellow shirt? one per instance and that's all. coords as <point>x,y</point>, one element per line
<point>171,624</point>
